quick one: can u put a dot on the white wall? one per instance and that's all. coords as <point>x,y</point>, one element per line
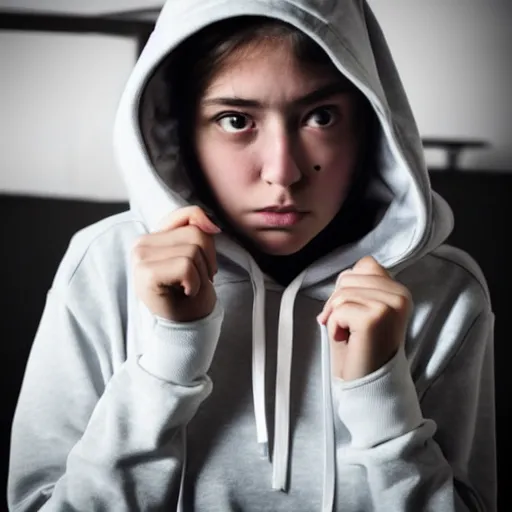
<point>58,93</point>
<point>79,6</point>
<point>58,98</point>
<point>454,57</point>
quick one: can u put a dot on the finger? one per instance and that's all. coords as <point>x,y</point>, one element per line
<point>345,320</point>
<point>341,276</point>
<point>180,272</point>
<point>147,254</point>
<point>189,215</point>
<point>369,296</point>
<point>334,300</point>
<point>369,266</point>
<point>361,354</point>
<point>188,235</point>
<point>375,299</point>
<point>353,280</point>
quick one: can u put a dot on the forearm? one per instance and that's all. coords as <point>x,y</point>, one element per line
<point>405,468</point>
<point>127,454</point>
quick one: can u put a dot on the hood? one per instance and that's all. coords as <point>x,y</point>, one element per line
<point>414,220</point>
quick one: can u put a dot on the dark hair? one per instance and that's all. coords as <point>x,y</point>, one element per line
<point>196,60</point>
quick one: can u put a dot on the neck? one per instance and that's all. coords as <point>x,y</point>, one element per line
<point>349,225</point>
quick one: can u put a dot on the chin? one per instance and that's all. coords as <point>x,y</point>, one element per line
<point>279,243</point>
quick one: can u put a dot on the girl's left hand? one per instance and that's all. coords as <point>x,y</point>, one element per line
<point>366,317</point>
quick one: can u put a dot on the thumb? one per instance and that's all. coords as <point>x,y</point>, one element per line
<point>189,216</point>
<point>368,265</point>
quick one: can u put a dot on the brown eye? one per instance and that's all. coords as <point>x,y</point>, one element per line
<point>321,117</point>
<point>234,123</point>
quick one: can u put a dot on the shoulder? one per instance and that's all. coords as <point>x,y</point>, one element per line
<point>449,274</point>
<point>450,297</point>
<point>454,258</point>
<point>452,317</point>
<point>102,249</point>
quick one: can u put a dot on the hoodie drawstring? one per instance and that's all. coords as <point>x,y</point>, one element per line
<point>329,439</point>
<point>280,456</point>
<point>180,507</point>
<point>258,357</point>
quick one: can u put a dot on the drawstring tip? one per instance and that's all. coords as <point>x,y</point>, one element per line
<point>278,487</point>
<point>263,450</point>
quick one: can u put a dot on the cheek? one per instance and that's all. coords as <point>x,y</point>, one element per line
<point>334,164</point>
<point>332,187</point>
<point>333,181</point>
<point>226,171</point>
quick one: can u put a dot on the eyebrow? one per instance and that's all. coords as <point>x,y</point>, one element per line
<point>338,87</point>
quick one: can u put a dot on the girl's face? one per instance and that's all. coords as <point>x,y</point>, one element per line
<point>277,143</point>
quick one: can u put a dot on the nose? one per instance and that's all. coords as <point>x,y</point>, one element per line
<point>279,165</point>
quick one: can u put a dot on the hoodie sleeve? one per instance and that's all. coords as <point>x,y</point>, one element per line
<point>435,454</point>
<point>93,431</point>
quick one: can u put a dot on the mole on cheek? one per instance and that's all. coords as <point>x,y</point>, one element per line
<point>317,168</point>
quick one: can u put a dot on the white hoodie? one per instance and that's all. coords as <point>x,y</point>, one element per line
<point>121,411</point>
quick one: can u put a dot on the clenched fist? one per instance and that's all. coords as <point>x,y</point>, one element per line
<point>174,267</point>
<point>366,317</point>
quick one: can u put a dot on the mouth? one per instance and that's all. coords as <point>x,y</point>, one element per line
<point>282,209</point>
<point>279,217</point>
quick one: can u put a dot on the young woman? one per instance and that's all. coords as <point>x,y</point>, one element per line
<point>275,325</point>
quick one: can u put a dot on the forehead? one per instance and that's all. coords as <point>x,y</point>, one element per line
<point>269,63</point>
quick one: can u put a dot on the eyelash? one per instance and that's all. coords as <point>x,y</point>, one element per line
<point>332,109</point>
<point>227,115</point>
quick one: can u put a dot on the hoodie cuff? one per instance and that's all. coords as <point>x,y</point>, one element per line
<point>381,406</point>
<point>183,352</point>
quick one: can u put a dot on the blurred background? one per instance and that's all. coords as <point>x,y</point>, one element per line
<point>63,66</point>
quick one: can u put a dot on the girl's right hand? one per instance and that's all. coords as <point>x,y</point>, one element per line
<point>174,267</point>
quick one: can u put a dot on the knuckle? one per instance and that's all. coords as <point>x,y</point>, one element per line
<point>146,273</point>
<point>197,237</point>
<point>367,262</point>
<point>403,303</point>
<point>139,242</point>
<point>370,260</point>
<point>142,240</point>
<point>341,281</point>
<point>338,300</point>
<point>189,251</point>
<point>378,312</point>
<point>335,318</point>
<point>193,253</point>
<point>187,267</point>
<point>195,249</point>
<point>195,231</point>
<point>332,322</point>
<point>139,253</point>
<point>198,254</point>
<point>334,302</point>
<point>194,209</point>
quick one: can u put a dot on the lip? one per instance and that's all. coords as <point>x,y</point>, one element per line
<point>279,216</point>
<point>282,209</point>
